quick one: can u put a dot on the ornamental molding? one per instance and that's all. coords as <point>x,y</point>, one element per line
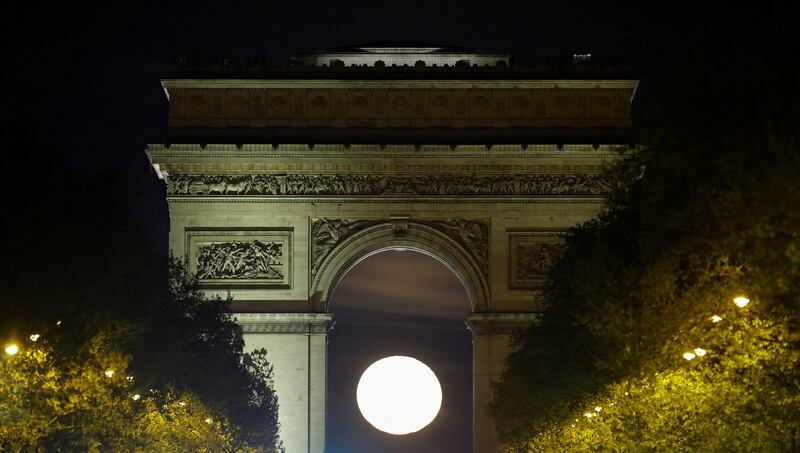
<point>501,323</point>
<point>357,149</point>
<point>397,200</point>
<point>284,323</point>
<point>386,185</point>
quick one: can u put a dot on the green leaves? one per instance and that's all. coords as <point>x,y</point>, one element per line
<point>643,314</point>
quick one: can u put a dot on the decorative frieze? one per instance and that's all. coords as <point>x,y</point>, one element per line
<point>532,254</point>
<point>388,185</point>
<point>284,323</point>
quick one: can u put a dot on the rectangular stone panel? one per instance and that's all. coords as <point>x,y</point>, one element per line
<point>254,258</point>
<point>531,255</point>
<point>398,107</point>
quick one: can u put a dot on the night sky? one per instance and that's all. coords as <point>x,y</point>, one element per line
<point>86,78</point>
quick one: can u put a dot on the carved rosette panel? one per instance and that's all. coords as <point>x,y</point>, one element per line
<point>532,255</point>
<point>382,107</point>
<point>240,260</point>
<point>223,258</point>
<point>472,234</point>
<point>377,185</point>
<point>328,233</point>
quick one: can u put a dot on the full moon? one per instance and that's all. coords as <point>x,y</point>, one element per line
<point>399,395</point>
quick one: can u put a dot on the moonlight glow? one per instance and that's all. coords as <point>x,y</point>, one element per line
<point>399,395</point>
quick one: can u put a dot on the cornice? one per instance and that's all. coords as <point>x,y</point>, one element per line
<point>501,323</point>
<point>309,151</point>
<point>394,200</point>
<point>628,84</point>
<point>284,323</point>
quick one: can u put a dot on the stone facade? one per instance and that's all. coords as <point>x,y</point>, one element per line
<point>278,224</point>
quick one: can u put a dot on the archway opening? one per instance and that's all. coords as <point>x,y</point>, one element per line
<point>399,302</point>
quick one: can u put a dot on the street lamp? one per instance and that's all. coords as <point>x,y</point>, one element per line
<point>741,301</point>
<point>12,349</point>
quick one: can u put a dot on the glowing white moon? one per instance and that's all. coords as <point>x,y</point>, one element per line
<point>399,395</point>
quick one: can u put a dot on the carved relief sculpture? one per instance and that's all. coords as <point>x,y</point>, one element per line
<point>371,185</point>
<point>532,255</point>
<point>534,261</point>
<point>240,260</point>
<point>328,233</point>
<point>472,234</point>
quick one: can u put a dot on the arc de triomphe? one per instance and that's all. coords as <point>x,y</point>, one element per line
<point>281,177</point>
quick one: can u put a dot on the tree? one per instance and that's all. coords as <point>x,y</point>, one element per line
<point>76,256</point>
<point>644,347</point>
<point>89,402</point>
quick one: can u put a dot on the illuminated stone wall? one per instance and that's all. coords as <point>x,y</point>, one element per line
<point>278,223</point>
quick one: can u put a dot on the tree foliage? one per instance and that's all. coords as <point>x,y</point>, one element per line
<point>75,256</point>
<point>89,402</point>
<point>707,211</point>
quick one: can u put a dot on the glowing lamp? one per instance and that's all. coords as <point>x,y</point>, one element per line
<point>700,352</point>
<point>741,302</point>
<point>12,349</point>
<point>689,355</point>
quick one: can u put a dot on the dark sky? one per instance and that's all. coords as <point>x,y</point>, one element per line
<point>86,76</point>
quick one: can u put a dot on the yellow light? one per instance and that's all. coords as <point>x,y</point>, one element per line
<point>109,373</point>
<point>136,397</point>
<point>688,355</point>
<point>34,337</point>
<point>741,301</point>
<point>58,323</point>
<point>700,352</point>
<point>716,318</point>
<point>181,403</point>
<point>208,420</point>
<point>598,409</point>
<point>588,415</point>
<point>129,378</point>
<point>12,349</point>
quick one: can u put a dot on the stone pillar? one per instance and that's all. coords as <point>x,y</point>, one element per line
<point>296,345</point>
<point>491,335</point>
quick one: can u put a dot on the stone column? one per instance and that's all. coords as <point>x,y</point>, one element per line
<point>296,345</point>
<point>491,335</point>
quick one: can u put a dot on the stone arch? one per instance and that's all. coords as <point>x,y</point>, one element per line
<point>416,237</point>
